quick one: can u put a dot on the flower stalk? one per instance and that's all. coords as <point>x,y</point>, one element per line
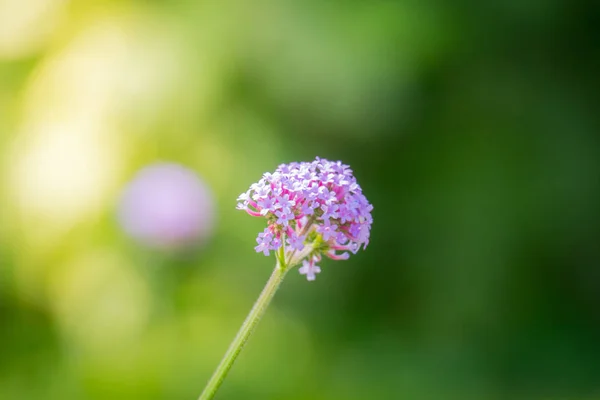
<point>258,310</point>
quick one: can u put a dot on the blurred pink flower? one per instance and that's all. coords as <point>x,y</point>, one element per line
<point>167,206</point>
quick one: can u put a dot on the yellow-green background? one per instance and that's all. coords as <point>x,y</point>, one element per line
<point>472,127</point>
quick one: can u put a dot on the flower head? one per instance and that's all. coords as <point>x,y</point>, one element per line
<point>312,209</point>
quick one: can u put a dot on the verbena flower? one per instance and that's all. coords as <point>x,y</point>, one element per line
<point>312,209</point>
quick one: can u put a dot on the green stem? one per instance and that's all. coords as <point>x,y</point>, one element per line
<point>245,331</point>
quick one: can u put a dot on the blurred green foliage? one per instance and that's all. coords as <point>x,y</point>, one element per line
<point>471,126</point>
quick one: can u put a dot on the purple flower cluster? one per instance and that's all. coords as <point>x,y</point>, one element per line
<point>312,209</point>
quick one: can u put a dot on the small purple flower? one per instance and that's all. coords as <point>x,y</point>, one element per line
<point>310,269</point>
<point>284,217</point>
<point>267,205</point>
<point>327,230</point>
<point>315,208</point>
<point>168,206</point>
<point>296,242</point>
<point>285,202</point>
<point>261,191</point>
<point>308,208</point>
<point>264,240</point>
<point>325,195</point>
<point>275,243</point>
<point>330,212</point>
<point>243,201</point>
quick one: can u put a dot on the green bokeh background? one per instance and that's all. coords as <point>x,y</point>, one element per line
<point>472,127</point>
